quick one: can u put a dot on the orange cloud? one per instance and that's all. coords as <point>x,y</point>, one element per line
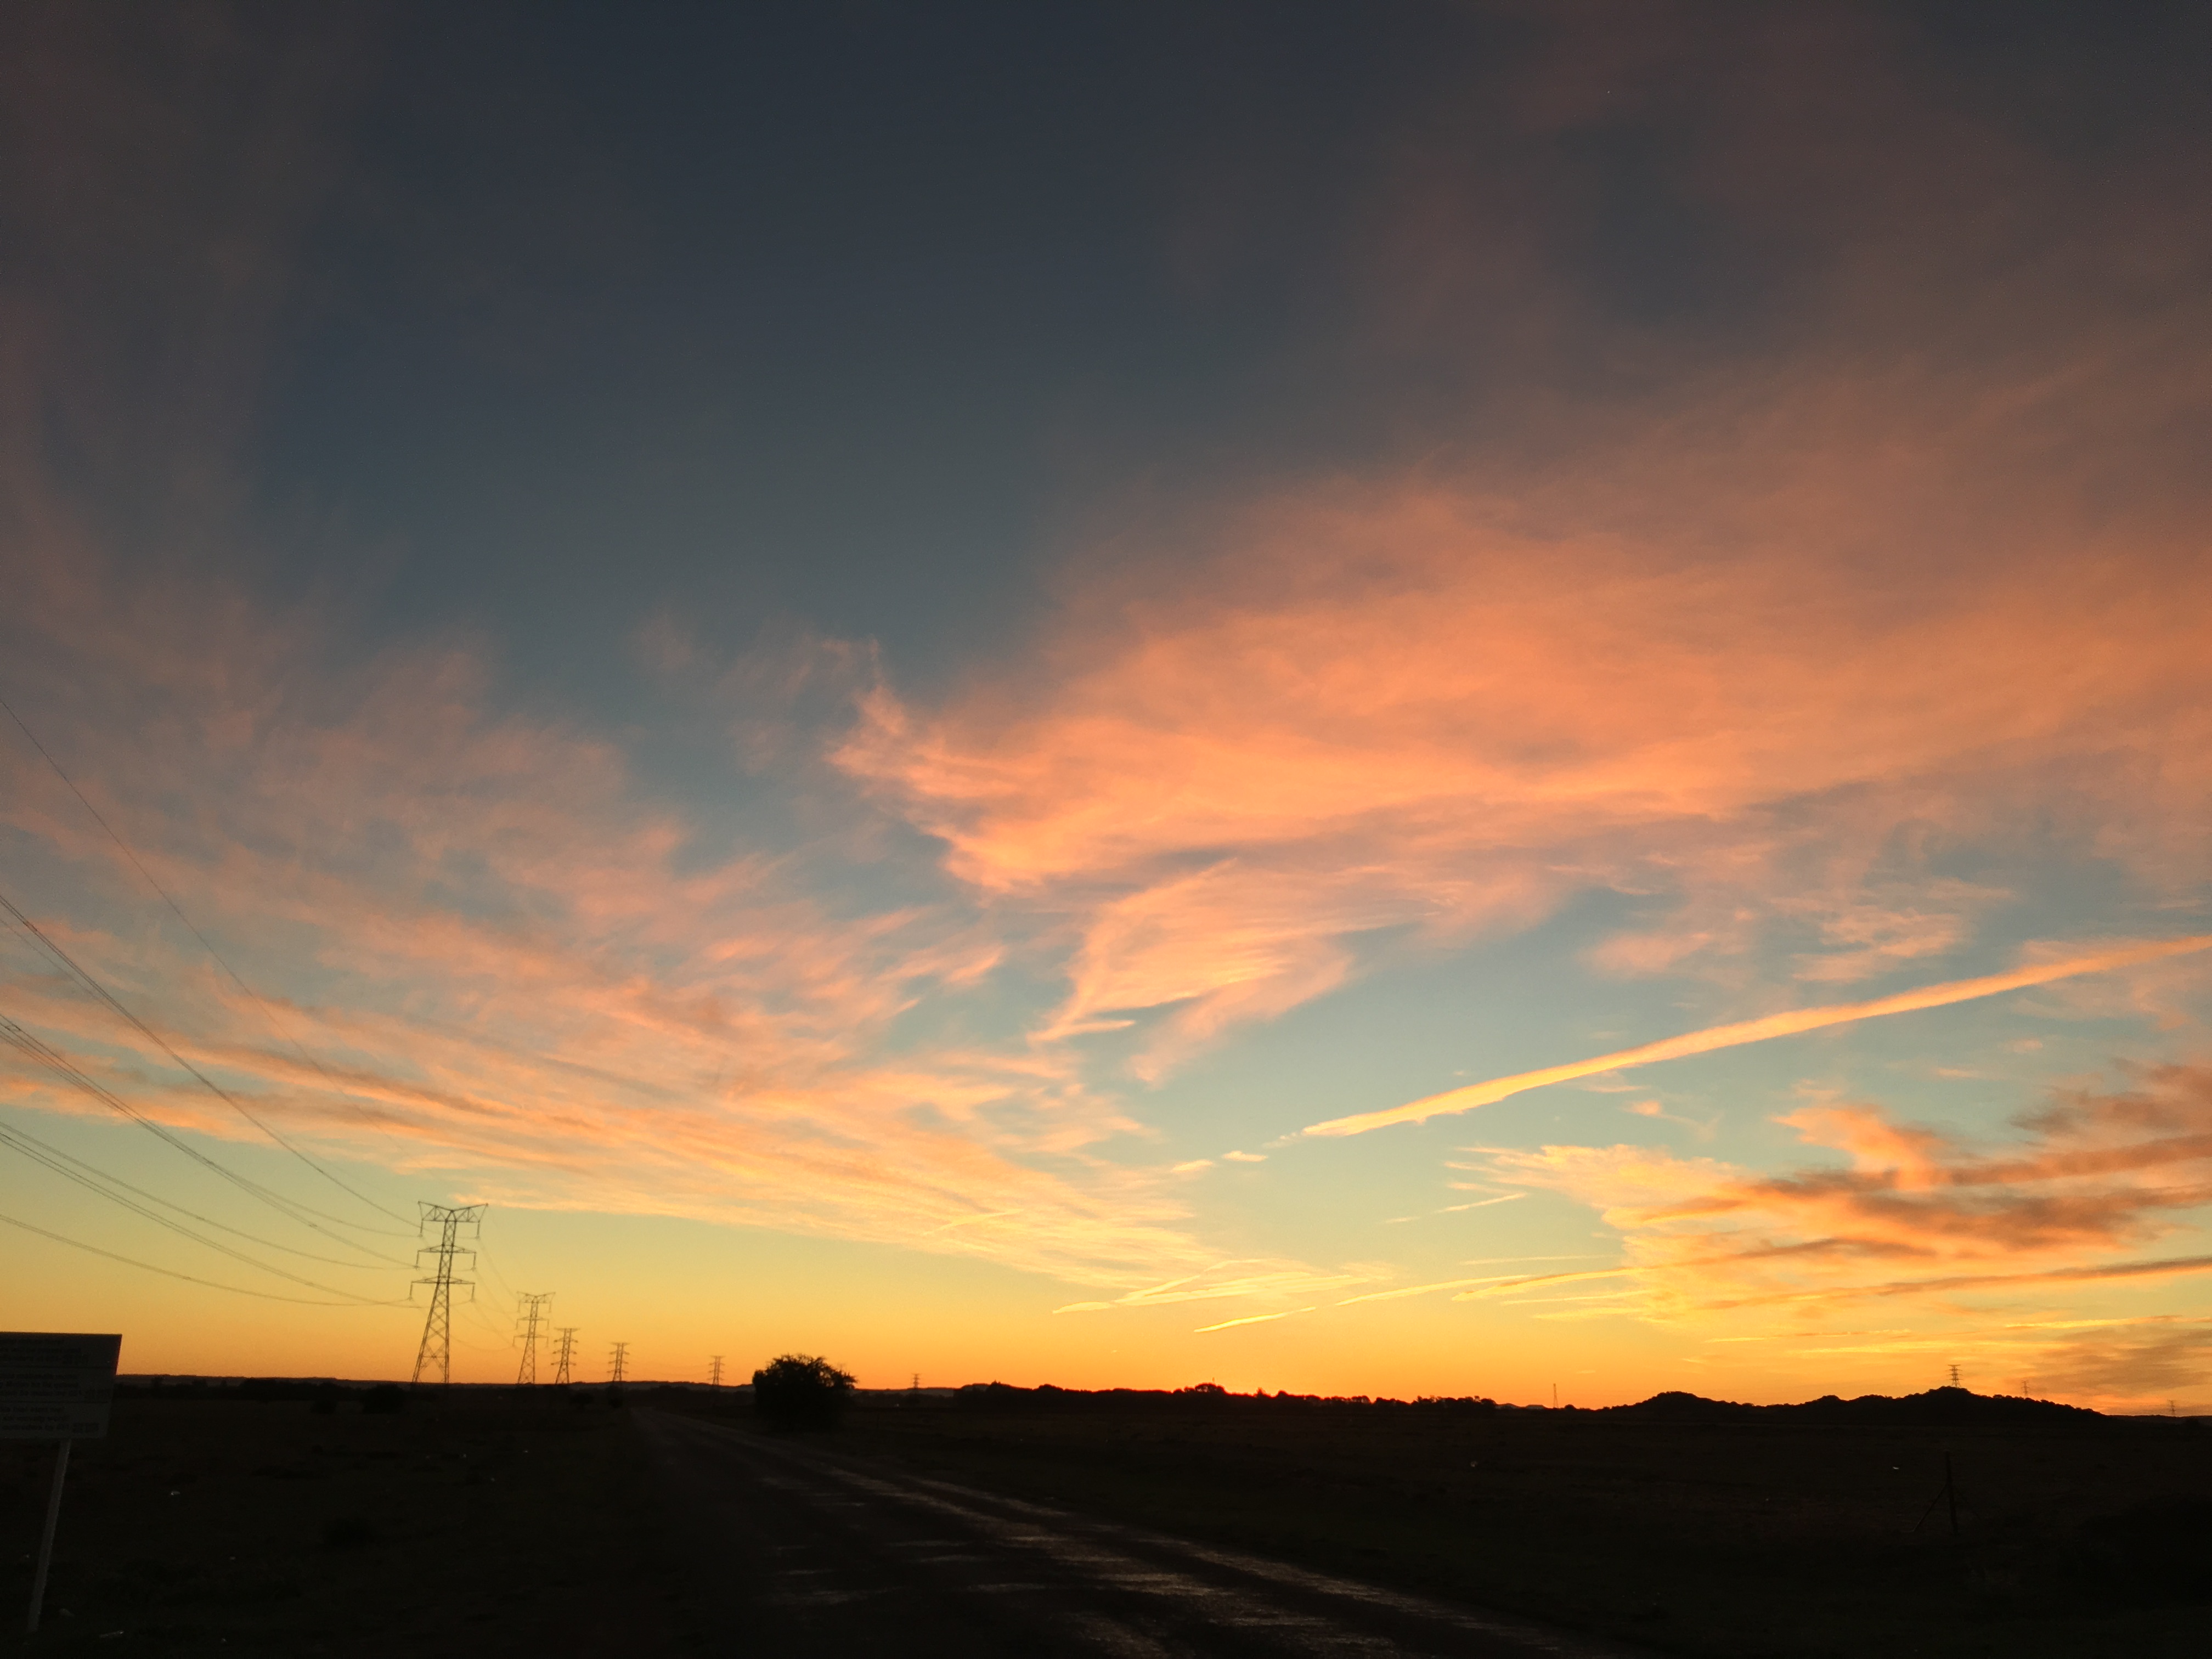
<point>1747,621</point>
<point>1382,709</point>
<point>516,973</point>
<point>1955,1234</point>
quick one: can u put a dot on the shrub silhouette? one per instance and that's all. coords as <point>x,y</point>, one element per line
<point>800,1391</point>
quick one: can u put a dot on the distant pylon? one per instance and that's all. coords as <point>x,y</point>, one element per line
<point>714,1371</point>
<point>563,1352</point>
<point>1955,1376</point>
<point>437,1347</point>
<point>530,1307</point>
<point>616,1361</point>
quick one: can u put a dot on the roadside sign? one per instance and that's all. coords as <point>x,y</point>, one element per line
<point>55,1386</point>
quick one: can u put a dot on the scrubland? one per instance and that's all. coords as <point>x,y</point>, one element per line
<point>475,1525</point>
<point>2080,1535</point>
<point>486,1523</point>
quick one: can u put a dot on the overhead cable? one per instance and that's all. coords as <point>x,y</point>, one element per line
<point>192,927</point>
<point>30,1150</point>
<point>37,1049</point>
<point>46,1152</point>
<point>191,1278</point>
<point>92,988</point>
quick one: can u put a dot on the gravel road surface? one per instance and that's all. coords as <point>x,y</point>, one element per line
<point>809,1552</point>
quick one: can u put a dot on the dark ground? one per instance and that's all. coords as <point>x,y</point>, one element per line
<point>476,1525</point>
<point>1781,1535</point>
<point>483,1525</point>
<point>819,1555</point>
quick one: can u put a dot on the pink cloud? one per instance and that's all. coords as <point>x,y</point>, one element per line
<point>1379,710</point>
<point>1752,621</point>
<point>515,970</point>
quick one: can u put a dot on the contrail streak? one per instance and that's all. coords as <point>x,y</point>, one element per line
<point>1755,1030</point>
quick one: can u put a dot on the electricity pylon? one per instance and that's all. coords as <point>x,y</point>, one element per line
<point>437,1347</point>
<point>616,1361</point>
<point>563,1352</point>
<point>714,1371</point>
<point>528,1306</point>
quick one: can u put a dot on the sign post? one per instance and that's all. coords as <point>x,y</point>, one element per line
<point>54,1387</point>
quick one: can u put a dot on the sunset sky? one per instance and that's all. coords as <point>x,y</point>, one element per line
<point>1394,699</point>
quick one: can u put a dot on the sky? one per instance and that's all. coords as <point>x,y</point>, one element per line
<point>1404,699</point>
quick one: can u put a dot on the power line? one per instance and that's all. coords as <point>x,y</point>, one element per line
<point>267,1013</point>
<point>48,1055</point>
<point>533,1305</point>
<point>190,1279</point>
<point>502,1337</point>
<point>44,1152</point>
<point>491,1261</point>
<point>438,1329</point>
<point>92,1185</point>
<point>86,982</point>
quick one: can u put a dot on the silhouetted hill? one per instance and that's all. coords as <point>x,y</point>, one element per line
<point>1941,1406</point>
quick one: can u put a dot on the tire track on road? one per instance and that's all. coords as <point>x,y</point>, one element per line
<point>851,1558</point>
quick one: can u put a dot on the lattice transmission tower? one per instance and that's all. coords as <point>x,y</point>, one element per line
<point>616,1361</point>
<point>714,1371</point>
<point>564,1352</point>
<point>530,1307</point>
<point>437,1347</point>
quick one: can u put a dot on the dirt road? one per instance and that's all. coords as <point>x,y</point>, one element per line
<point>812,1553</point>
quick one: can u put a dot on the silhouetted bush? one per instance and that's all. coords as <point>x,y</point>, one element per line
<point>385,1397</point>
<point>800,1391</point>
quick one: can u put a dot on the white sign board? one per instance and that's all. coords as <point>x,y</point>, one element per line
<point>55,1387</point>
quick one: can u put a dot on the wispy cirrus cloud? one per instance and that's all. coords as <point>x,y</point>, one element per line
<point>1754,624</point>
<point>1225,1279</point>
<point>1389,715</point>
<point>1763,1029</point>
<point>1249,1319</point>
<point>514,969</point>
